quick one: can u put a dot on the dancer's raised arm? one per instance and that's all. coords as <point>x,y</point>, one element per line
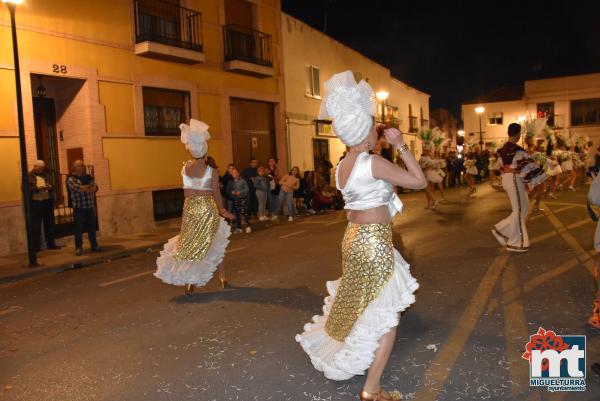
<point>412,177</point>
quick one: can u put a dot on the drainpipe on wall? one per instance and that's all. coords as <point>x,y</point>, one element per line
<point>288,150</point>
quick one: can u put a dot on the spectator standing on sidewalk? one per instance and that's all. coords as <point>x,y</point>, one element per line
<point>261,184</point>
<point>81,188</point>
<point>238,191</point>
<point>227,177</point>
<point>42,206</point>
<point>289,183</point>
<point>273,175</point>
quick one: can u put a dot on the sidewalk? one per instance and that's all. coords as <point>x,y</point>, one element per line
<point>15,267</point>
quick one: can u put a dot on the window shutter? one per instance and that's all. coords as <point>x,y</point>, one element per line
<point>308,80</point>
<point>316,83</point>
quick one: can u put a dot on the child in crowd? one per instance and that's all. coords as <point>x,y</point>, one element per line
<point>237,189</point>
<point>289,183</point>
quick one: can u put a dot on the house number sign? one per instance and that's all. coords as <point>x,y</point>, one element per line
<point>59,69</point>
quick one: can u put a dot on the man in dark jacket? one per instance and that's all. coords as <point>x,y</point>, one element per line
<point>42,206</point>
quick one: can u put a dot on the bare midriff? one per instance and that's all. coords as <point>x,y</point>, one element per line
<point>191,193</point>
<point>377,215</point>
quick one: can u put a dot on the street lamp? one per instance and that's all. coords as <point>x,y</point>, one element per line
<point>479,110</point>
<point>12,8</point>
<point>382,96</point>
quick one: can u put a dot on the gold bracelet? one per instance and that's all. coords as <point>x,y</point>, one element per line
<point>402,149</point>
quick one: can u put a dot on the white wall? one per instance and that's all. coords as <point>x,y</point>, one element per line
<point>561,91</point>
<point>303,45</point>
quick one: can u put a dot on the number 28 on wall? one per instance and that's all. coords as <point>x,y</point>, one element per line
<point>59,69</point>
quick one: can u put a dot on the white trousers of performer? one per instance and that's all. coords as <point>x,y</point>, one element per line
<point>513,228</point>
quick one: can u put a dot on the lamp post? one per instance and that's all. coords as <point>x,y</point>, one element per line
<point>382,96</point>
<point>12,8</point>
<point>479,110</point>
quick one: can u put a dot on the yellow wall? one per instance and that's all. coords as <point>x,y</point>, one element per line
<point>118,104</point>
<point>7,100</point>
<point>99,36</point>
<point>144,162</point>
<point>10,179</point>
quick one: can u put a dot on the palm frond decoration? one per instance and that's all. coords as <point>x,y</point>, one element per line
<point>439,138</point>
<point>533,127</point>
<point>426,135</point>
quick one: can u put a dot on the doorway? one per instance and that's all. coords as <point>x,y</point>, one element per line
<point>46,140</point>
<point>252,131</point>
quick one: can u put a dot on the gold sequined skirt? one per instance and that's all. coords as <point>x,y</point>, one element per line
<point>199,224</point>
<point>361,306</point>
<point>192,256</point>
<point>368,264</point>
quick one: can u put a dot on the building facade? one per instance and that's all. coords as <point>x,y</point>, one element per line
<point>570,104</point>
<point>311,58</point>
<point>110,81</point>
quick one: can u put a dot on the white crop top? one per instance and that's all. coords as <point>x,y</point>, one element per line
<point>203,183</point>
<point>363,191</point>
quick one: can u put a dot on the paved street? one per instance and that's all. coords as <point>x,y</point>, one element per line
<point>114,332</point>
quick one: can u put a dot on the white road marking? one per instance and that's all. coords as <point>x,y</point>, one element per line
<point>232,250</point>
<point>11,310</point>
<point>125,278</point>
<point>334,222</point>
<point>292,234</point>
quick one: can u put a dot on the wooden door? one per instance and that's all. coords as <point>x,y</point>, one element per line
<point>46,140</point>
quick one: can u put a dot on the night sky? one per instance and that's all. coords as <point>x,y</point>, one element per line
<point>456,51</point>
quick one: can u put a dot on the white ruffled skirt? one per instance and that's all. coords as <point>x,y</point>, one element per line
<point>340,360</point>
<point>472,170</point>
<point>567,165</point>
<point>433,176</point>
<point>193,256</point>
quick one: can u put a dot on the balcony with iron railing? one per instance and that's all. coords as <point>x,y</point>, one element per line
<point>248,51</point>
<point>168,31</point>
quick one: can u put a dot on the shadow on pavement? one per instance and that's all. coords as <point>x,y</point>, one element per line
<point>295,298</point>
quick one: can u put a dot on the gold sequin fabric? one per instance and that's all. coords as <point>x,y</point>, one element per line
<point>199,225</point>
<point>368,264</point>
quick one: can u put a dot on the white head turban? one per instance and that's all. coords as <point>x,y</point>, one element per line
<point>195,137</point>
<point>351,106</point>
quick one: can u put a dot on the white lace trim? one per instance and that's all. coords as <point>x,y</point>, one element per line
<point>183,272</point>
<point>342,360</point>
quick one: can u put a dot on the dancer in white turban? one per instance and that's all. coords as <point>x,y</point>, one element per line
<point>357,330</point>
<point>191,258</point>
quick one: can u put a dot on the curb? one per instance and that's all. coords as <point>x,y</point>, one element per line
<point>42,270</point>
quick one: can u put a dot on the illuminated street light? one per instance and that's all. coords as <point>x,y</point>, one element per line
<point>382,95</point>
<point>12,8</point>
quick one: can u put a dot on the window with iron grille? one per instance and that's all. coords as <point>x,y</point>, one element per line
<point>585,112</point>
<point>312,82</point>
<point>546,110</point>
<point>164,110</point>
<point>168,203</point>
<point>495,118</point>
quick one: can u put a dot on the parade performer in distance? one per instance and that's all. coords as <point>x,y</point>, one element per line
<point>358,327</point>
<point>430,170</point>
<point>190,258</point>
<point>518,170</point>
